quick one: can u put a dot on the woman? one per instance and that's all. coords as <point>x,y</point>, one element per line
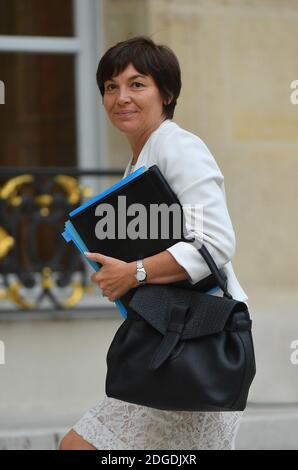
<point>140,83</point>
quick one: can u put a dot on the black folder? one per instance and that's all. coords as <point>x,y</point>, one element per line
<point>147,188</point>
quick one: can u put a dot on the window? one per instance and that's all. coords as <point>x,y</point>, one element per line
<point>37,123</point>
<point>48,60</point>
<point>36,18</point>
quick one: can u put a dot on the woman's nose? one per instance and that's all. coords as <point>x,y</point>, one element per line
<point>123,95</point>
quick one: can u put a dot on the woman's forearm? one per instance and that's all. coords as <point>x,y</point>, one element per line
<point>161,269</point>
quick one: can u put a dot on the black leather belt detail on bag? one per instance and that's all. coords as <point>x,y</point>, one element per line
<point>204,285</point>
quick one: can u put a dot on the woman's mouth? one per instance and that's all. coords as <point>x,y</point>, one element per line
<point>125,114</point>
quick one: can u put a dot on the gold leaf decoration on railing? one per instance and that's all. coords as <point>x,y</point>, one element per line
<point>25,200</point>
<point>71,186</point>
<point>13,293</point>
<point>6,242</point>
<point>76,295</point>
<point>9,189</point>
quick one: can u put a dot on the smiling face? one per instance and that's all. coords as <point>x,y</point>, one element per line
<point>133,102</point>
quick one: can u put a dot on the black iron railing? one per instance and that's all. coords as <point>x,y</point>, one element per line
<point>37,268</point>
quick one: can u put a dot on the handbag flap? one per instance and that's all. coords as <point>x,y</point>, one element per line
<point>207,314</point>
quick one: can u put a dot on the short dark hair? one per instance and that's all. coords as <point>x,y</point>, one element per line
<point>148,58</point>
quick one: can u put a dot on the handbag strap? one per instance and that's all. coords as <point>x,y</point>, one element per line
<point>221,278</point>
<point>219,275</point>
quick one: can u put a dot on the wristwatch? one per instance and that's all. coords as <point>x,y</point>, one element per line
<point>141,274</point>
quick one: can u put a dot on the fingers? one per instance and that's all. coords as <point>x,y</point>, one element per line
<point>99,258</point>
<point>109,295</point>
<point>101,284</point>
<point>106,291</point>
<point>94,278</point>
<point>98,277</point>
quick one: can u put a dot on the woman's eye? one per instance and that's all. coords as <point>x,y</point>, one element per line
<point>108,87</point>
<point>112,86</point>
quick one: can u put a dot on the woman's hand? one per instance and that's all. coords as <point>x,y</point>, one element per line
<point>115,277</point>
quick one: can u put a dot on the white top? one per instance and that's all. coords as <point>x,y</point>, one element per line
<point>194,175</point>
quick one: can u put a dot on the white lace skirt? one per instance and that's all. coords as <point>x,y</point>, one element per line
<point>117,425</point>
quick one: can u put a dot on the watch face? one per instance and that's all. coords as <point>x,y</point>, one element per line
<point>141,276</point>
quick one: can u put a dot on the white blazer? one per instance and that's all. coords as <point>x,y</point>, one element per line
<point>195,177</point>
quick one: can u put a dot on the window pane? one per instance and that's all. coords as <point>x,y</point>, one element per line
<point>36,17</point>
<point>37,121</point>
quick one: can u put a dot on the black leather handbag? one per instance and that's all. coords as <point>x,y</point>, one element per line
<point>183,350</point>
